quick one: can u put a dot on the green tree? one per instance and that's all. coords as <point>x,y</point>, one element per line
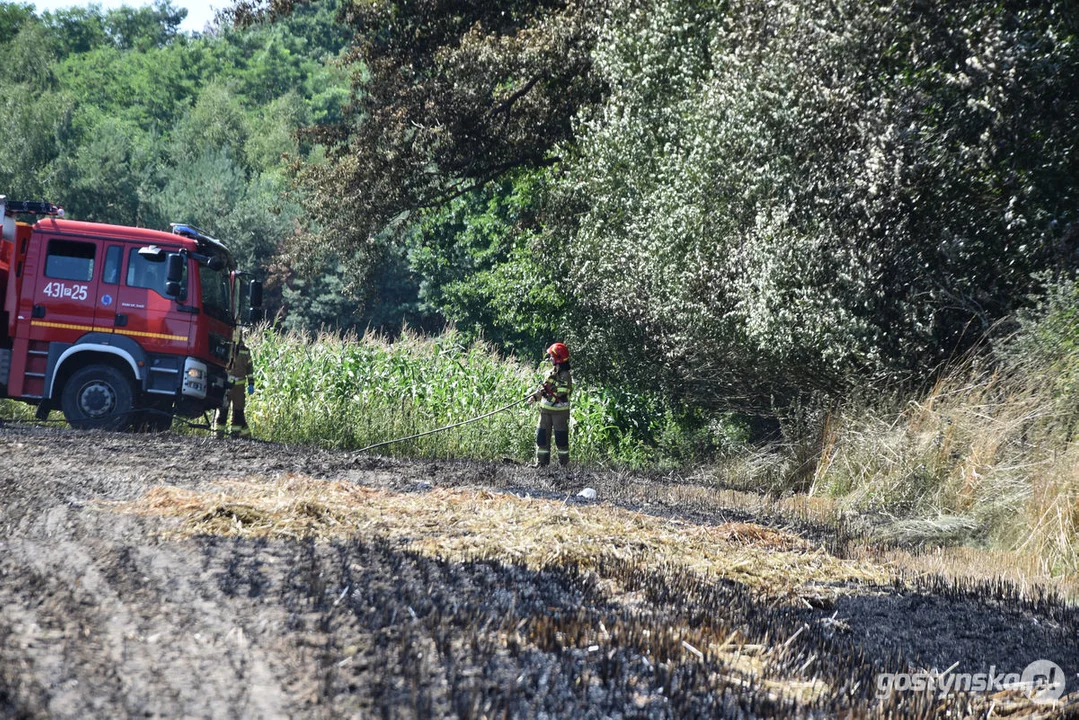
<point>12,18</point>
<point>319,302</point>
<point>217,122</point>
<point>791,196</point>
<point>33,125</point>
<point>212,192</point>
<point>29,58</point>
<point>448,97</point>
<point>481,267</point>
<point>272,138</point>
<point>145,27</point>
<point>150,89</point>
<point>101,179</point>
<point>76,29</point>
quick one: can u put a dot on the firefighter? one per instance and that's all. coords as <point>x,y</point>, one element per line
<point>553,397</point>
<point>240,372</point>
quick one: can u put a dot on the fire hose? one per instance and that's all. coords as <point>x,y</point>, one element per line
<point>446,427</point>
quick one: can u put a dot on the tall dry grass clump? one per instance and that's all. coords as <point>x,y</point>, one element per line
<point>987,457</point>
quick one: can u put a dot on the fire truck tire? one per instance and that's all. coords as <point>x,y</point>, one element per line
<point>98,396</point>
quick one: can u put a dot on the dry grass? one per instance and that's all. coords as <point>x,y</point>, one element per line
<point>473,524</point>
<point>1027,574</point>
<point>458,524</point>
<point>983,472</point>
<point>883,545</point>
<point>469,524</point>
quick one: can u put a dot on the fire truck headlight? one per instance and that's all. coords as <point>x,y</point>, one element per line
<point>194,379</point>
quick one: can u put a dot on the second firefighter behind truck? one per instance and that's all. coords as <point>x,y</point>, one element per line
<point>241,377</point>
<point>553,397</point>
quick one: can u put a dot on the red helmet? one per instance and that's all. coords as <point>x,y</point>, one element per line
<point>558,352</point>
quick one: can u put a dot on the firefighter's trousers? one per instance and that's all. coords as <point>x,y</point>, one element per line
<point>552,424</point>
<point>236,397</point>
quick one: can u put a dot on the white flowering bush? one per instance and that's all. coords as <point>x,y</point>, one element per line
<point>780,196</point>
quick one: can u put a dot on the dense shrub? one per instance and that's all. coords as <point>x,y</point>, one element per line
<point>794,195</point>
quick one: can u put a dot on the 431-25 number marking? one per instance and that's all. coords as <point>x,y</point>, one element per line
<point>63,290</point>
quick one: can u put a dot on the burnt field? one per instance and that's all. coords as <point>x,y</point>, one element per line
<point>174,576</point>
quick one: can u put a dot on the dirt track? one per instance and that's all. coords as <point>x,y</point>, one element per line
<point>106,614</point>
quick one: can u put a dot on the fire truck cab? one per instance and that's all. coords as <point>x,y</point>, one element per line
<point>116,326</point>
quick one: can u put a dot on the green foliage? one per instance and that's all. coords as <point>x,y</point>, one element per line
<point>216,123</point>
<point>448,97</point>
<point>271,136</point>
<point>28,56</point>
<point>333,299</point>
<point>322,301</point>
<point>76,29</point>
<point>145,27</point>
<point>719,204</point>
<point>350,392</point>
<point>79,30</point>
<point>801,195</point>
<point>766,200</point>
<point>392,301</point>
<point>16,411</point>
<point>212,192</point>
<point>1045,341</point>
<point>12,17</point>
<point>347,392</point>
<point>100,179</point>
<point>480,266</point>
<point>32,125</point>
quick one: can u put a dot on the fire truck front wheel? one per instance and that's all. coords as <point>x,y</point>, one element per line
<point>98,396</point>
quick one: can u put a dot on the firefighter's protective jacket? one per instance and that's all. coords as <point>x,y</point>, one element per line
<point>557,386</point>
<point>240,365</point>
<point>240,370</point>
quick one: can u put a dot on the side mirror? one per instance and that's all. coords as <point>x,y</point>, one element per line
<point>174,268</point>
<point>216,263</point>
<point>255,294</point>
<point>255,315</point>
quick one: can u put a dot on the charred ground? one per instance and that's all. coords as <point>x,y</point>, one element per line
<point>140,575</point>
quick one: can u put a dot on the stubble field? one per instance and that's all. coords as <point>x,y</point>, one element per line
<point>177,576</point>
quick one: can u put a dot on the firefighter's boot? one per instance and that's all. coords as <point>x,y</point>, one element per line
<point>543,448</point>
<point>561,442</point>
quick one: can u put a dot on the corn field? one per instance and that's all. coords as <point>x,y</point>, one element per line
<point>351,392</point>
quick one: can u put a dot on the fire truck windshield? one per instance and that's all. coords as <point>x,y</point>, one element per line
<point>216,297</point>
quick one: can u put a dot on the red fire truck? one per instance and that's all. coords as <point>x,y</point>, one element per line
<point>118,327</point>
